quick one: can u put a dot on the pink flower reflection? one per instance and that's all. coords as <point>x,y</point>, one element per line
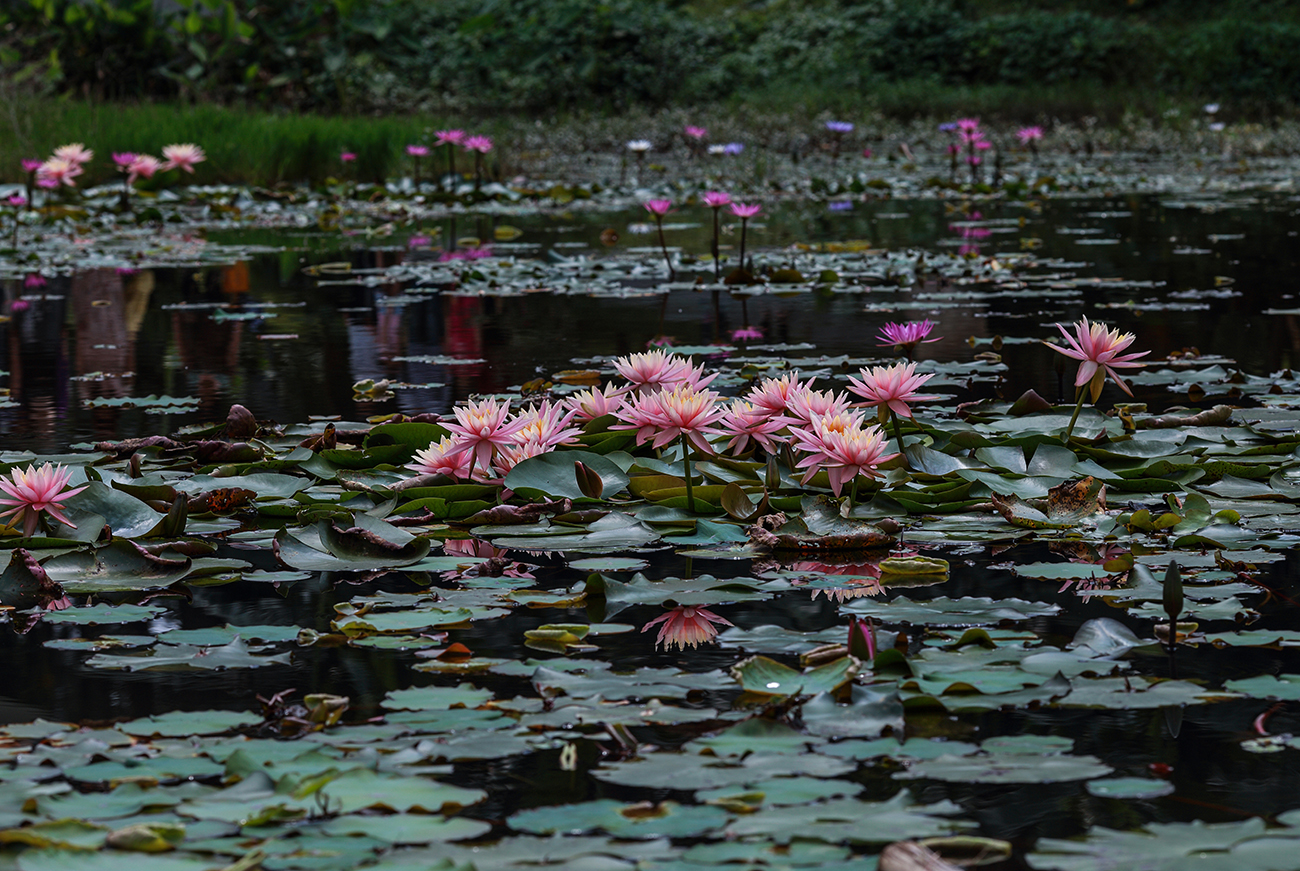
<point>687,626</point>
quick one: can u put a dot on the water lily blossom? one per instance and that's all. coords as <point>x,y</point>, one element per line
<point>417,150</point>
<point>744,421</point>
<point>479,144</point>
<point>182,156</point>
<point>143,166</point>
<point>890,386</point>
<point>449,137</point>
<point>696,132</point>
<point>482,428</point>
<point>907,336</point>
<point>839,445</point>
<point>638,146</point>
<point>57,171</point>
<point>652,371</point>
<point>1026,135</point>
<point>28,493</point>
<point>687,626</point>
<point>772,395</point>
<point>597,402</point>
<point>1097,349</point>
<point>547,425</point>
<point>74,153</point>
<point>442,458</point>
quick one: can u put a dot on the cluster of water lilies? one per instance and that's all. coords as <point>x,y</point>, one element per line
<point>715,200</point>
<point>69,161</point>
<point>449,140</point>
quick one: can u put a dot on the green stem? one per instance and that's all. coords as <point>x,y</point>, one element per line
<point>716,266</point>
<point>686,463</point>
<point>744,228</point>
<point>1078,406</point>
<point>898,434</point>
<point>672,276</point>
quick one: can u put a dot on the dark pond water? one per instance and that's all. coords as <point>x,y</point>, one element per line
<point>1179,272</point>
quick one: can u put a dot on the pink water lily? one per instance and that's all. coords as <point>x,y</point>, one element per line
<point>182,156</point>
<point>744,421</point>
<point>547,425</point>
<point>890,386</point>
<point>74,153</point>
<point>745,210</point>
<point>717,199</point>
<point>482,428</point>
<point>686,626</point>
<point>696,132</point>
<point>417,150</point>
<point>57,171</point>
<point>143,166</point>
<point>453,137</point>
<point>443,458</point>
<point>907,336</point>
<point>1097,348</point>
<point>839,445</point>
<point>651,371</point>
<point>1027,135</point>
<point>772,395</point>
<point>658,208</point>
<point>597,402</point>
<point>28,493</point>
<point>480,144</point>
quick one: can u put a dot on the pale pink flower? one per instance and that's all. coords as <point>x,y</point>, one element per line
<point>1027,135</point>
<point>481,428</point>
<point>658,208</point>
<point>686,626</point>
<point>772,395</point>
<point>845,453</point>
<point>745,210</point>
<point>512,455</point>
<point>481,144</point>
<point>908,335</point>
<point>597,402</point>
<point>717,199</point>
<point>654,370</point>
<point>443,458</point>
<point>27,494</point>
<point>687,412</point>
<point>806,404</point>
<point>743,421</point>
<point>1097,348</point>
<point>144,166</point>
<point>74,153</point>
<point>696,132</point>
<point>547,425</point>
<point>417,150</point>
<point>57,171</point>
<point>453,137</point>
<point>893,386</point>
<point>182,156</point>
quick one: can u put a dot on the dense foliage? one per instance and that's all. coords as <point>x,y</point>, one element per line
<point>369,55</point>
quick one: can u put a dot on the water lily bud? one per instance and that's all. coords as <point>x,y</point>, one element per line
<point>589,482</point>
<point>1173,598</point>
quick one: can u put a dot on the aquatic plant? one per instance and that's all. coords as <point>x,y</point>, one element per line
<point>686,626</point>
<point>744,211</point>
<point>1097,348</point>
<point>1030,137</point>
<point>906,336</point>
<point>659,208</point>
<point>482,428</point>
<point>716,200</point>
<point>839,445</point>
<point>31,493</point>
<point>416,152</point>
<point>182,156</point>
<point>891,388</point>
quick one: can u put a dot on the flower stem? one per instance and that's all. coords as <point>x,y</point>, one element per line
<point>744,228</point>
<point>898,434</point>
<point>672,276</point>
<point>1078,406</point>
<point>686,463</point>
<point>716,265</point>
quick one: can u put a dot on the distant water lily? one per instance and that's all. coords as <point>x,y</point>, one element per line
<point>716,200</point>
<point>1030,137</point>
<point>28,494</point>
<point>58,171</point>
<point>907,336</point>
<point>696,132</point>
<point>744,211</point>
<point>416,152</point>
<point>183,156</point>
<point>75,153</point>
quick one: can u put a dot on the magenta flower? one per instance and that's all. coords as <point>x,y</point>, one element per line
<point>482,428</point>
<point>30,164</point>
<point>16,200</point>
<point>717,199</point>
<point>658,208</point>
<point>890,386</point>
<point>686,626</point>
<point>696,132</point>
<point>968,125</point>
<point>417,150</point>
<point>347,156</point>
<point>27,494</point>
<point>123,159</point>
<point>745,210</point>
<point>183,156</point>
<point>34,280</point>
<point>746,334</point>
<point>443,458</point>
<point>449,137</point>
<point>1027,135</point>
<point>906,336</point>
<point>481,144</point>
<point>1098,351</point>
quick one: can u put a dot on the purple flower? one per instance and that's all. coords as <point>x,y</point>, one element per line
<point>840,205</point>
<point>733,148</point>
<point>840,126</point>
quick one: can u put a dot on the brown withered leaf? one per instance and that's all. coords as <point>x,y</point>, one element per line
<point>1067,504</point>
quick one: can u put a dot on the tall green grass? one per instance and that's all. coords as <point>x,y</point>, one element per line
<point>243,146</point>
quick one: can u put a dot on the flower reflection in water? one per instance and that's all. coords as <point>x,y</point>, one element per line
<point>495,562</point>
<point>687,626</point>
<point>840,581</point>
